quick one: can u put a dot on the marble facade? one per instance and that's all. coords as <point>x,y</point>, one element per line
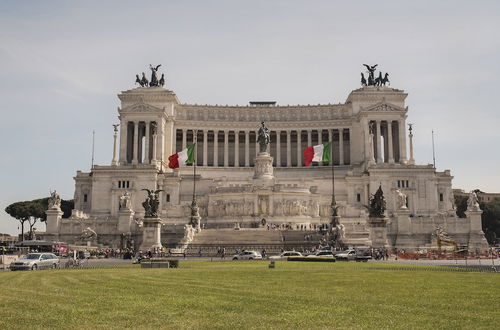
<point>236,184</point>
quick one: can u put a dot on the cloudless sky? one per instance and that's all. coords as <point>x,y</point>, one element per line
<point>63,62</point>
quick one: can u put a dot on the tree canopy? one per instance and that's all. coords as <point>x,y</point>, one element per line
<point>33,211</point>
<point>490,217</point>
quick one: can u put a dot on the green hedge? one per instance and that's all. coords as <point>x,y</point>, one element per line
<point>312,259</point>
<point>173,263</point>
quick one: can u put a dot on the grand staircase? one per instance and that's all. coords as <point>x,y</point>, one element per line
<point>273,241</point>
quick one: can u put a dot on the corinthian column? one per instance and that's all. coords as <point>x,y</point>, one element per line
<point>216,148</point>
<point>402,141</point>
<point>299,148</point>
<point>379,143</point>
<point>288,149</point>
<point>390,142</point>
<point>412,160</point>
<point>341,146</point>
<point>146,146</point>
<point>136,142</point>
<point>236,148</point>
<point>330,138</point>
<point>153,158</point>
<point>123,142</point>
<point>114,162</point>
<point>226,148</point>
<point>278,148</point>
<point>205,147</point>
<point>247,148</point>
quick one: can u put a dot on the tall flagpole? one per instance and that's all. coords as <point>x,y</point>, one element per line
<point>334,202</point>
<point>333,190</point>
<point>93,144</point>
<point>335,229</point>
<point>195,215</point>
<point>195,140</point>
<point>433,152</point>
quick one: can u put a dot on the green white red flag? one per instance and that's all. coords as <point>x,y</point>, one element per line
<point>182,158</point>
<point>319,153</point>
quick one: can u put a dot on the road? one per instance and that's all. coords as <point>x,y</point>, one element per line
<point>470,263</point>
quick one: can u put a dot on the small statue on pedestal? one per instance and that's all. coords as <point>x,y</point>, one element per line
<point>263,138</point>
<point>54,201</point>
<point>472,202</point>
<point>400,200</point>
<point>125,201</point>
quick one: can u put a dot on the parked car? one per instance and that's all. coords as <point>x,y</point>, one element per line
<point>83,254</point>
<point>286,254</point>
<point>35,261</point>
<point>352,255</point>
<point>247,255</point>
<point>322,254</point>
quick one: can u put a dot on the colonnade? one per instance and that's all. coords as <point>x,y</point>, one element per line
<point>389,141</point>
<point>237,148</point>
<point>138,141</point>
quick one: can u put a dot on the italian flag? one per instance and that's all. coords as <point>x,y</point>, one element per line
<point>319,153</point>
<point>182,158</point>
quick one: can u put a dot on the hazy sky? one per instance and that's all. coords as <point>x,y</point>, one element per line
<point>63,62</point>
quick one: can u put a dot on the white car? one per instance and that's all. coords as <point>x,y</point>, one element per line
<point>35,261</point>
<point>248,255</point>
<point>352,255</point>
<point>285,255</point>
<point>322,254</point>
<point>346,255</point>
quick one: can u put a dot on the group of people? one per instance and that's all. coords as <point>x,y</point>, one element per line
<point>382,254</point>
<point>221,251</point>
<point>289,226</point>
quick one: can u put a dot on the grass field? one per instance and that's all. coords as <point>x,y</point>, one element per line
<point>236,295</point>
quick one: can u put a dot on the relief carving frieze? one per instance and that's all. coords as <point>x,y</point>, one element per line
<point>141,107</point>
<point>383,107</point>
<point>256,114</point>
<point>221,208</point>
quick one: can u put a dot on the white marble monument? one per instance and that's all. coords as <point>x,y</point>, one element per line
<point>245,173</point>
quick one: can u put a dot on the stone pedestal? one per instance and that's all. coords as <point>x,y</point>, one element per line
<point>378,232</point>
<point>403,238</point>
<point>263,167</point>
<point>125,218</point>
<point>477,242</point>
<point>53,222</point>
<point>151,234</point>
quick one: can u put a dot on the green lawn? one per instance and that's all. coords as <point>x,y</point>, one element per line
<point>235,295</point>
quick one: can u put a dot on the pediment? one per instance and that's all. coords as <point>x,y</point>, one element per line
<point>141,107</point>
<point>383,107</point>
